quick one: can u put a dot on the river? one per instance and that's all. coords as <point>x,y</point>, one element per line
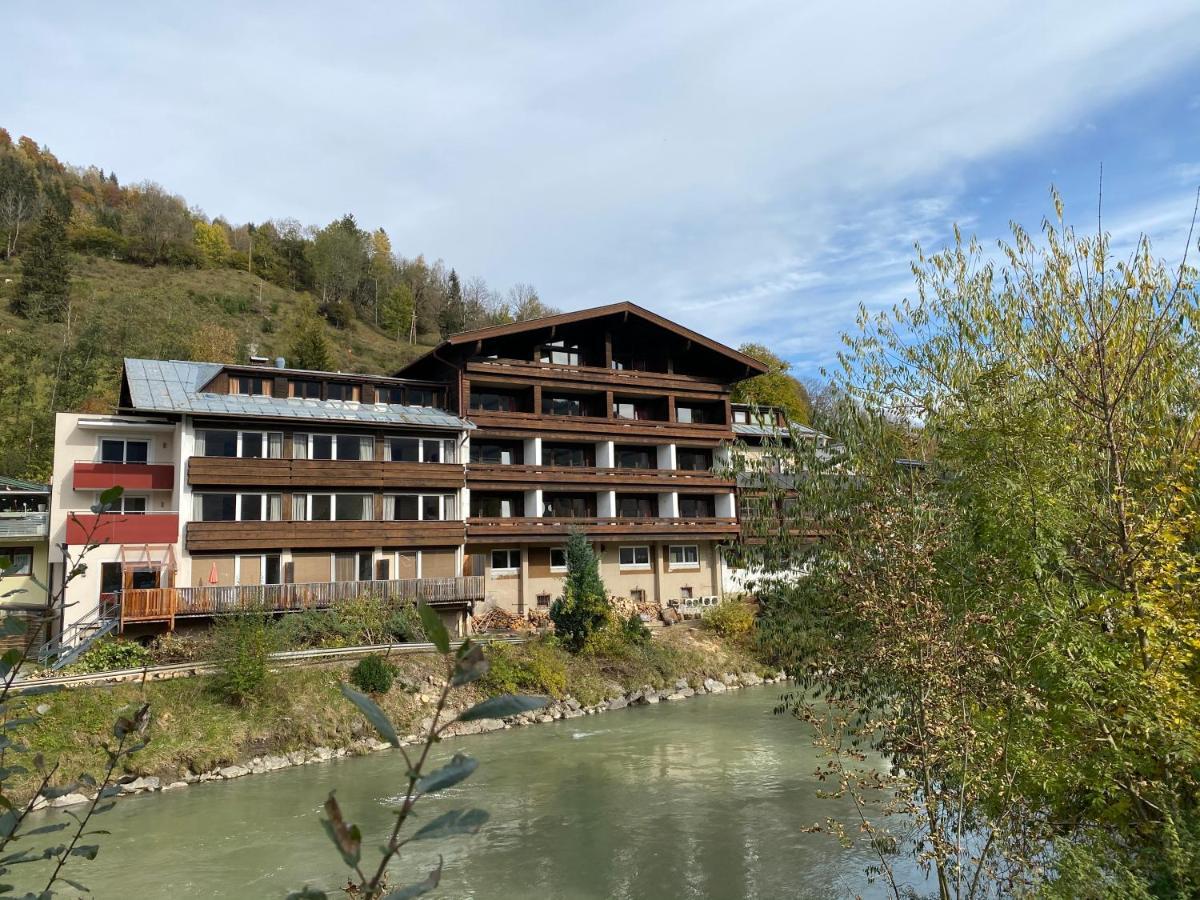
<point>701,798</point>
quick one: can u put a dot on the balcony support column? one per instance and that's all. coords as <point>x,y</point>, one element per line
<point>532,453</point>
<point>606,504</point>
<point>668,505</point>
<point>605,455</point>
<point>533,503</point>
<point>666,456</point>
<point>726,507</point>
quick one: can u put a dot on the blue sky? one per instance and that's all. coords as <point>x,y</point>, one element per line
<point>753,169</point>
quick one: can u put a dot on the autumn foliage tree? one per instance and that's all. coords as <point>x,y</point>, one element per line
<point>1012,624</point>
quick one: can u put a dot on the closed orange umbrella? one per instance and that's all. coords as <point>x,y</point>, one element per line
<point>213,577</point>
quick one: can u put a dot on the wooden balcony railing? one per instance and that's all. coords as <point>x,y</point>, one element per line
<point>523,369</point>
<point>598,428</point>
<point>168,604</point>
<point>205,471</point>
<point>483,475</point>
<point>533,528</point>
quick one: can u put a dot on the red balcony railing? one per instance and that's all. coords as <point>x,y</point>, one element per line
<point>93,476</point>
<point>123,528</point>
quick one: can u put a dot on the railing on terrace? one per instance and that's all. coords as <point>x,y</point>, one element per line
<point>522,472</point>
<point>499,527</point>
<point>24,524</point>
<point>168,604</point>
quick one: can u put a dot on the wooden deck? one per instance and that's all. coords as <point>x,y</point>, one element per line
<point>168,604</point>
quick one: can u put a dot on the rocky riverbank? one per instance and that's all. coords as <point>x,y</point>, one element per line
<point>566,708</point>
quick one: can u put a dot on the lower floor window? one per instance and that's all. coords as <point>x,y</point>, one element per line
<point>558,559</point>
<point>20,560</point>
<point>543,599</point>
<point>637,595</point>
<point>635,557</point>
<point>506,560</point>
<point>684,555</point>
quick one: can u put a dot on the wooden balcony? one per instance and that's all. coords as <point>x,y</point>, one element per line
<point>216,537</point>
<point>122,528</point>
<point>520,371</point>
<point>494,476</point>
<point>94,476</point>
<point>219,471</point>
<point>597,428</point>
<point>532,529</point>
<point>169,604</point>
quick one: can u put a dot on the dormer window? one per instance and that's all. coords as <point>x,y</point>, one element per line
<point>248,385</point>
<point>338,390</point>
<point>304,388</point>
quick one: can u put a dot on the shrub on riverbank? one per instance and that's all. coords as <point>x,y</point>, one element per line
<point>109,655</point>
<point>731,619</point>
<point>243,645</point>
<point>373,674</point>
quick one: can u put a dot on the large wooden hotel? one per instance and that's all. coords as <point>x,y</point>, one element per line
<point>456,481</point>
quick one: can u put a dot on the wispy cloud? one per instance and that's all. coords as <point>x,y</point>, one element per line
<point>754,169</point>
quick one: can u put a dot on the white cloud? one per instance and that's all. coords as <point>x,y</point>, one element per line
<point>754,168</point>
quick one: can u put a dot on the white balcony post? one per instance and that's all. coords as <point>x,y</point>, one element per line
<point>668,505</point>
<point>666,456</point>
<point>606,504</point>
<point>605,455</point>
<point>726,507</point>
<point>533,503</point>
<point>533,451</point>
<point>721,456</point>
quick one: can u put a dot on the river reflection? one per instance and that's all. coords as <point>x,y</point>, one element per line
<point>703,798</point>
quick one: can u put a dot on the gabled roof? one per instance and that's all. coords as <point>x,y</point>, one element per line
<point>175,386</point>
<point>19,485</point>
<point>624,307</point>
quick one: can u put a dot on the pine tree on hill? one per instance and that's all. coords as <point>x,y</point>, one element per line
<point>46,269</point>
<point>310,349</point>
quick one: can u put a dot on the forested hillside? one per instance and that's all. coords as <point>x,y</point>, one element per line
<point>92,270</point>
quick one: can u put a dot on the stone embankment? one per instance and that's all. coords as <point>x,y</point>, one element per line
<point>567,708</point>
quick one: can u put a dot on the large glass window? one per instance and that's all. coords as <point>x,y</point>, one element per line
<point>567,506</point>
<point>20,560</point>
<point>565,455</point>
<point>494,401</point>
<point>237,507</point>
<point>636,458</point>
<point>558,559</point>
<point>333,446</point>
<point>504,454</point>
<point>218,507</point>
<point>321,446</point>
<point>695,507</point>
<point>563,406</point>
<point>339,390</point>
<point>246,444</point>
<point>416,396</point>
<point>248,384</point>
<point>635,506</point>
<point>305,388</point>
<point>560,353</point>
<point>693,460</point>
<point>118,450</point>
<point>352,507</point>
<point>493,506</point>
<point>418,507</point>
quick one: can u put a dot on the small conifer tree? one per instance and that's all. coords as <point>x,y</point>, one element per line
<point>583,609</point>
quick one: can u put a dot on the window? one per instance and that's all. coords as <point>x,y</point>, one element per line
<point>404,449</point>
<point>254,385</point>
<point>112,577</point>
<point>271,569</point>
<point>493,401</point>
<point>634,409</point>
<point>543,599</point>
<point>506,561</point>
<point>560,353</point>
<point>634,458</point>
<point>567,506</point>
<point>503,454</point>
<point>353,566</point>
<point>431,451</point>
<point>635,506</point>
<point>693,460</point>
<point>685,593</point>
<point>339,390</point>
<point>116,450</point>
<point>690,415</point>
<point>684,556</point>
<point>563,406</point>
<point>740,417</point>
<point>244,444</point>
<point>418,507</point>
<point>558,559</point>
<point>333,446</point>
<point>332,507</point>
<point>236,507</point>
<point>127,505</point>
<point>305,389</point>
<point>389,394</point>
<point>496,507</point>
<point>695,507</point>
<point>564,455</point>
<point>421,397</point>
<point>20,560</point>
<point>638,596</point>
<point>634,557</point>
<point>413,449</point>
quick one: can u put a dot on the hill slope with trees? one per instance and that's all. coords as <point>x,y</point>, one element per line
<point>93,270</point>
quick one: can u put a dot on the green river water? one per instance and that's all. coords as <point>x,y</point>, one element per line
<point>703,798</point>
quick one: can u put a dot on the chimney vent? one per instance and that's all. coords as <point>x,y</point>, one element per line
<point>280,362</point>
<point>259,361</point>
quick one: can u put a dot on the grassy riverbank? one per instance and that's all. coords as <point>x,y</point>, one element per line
<point>196,730</point>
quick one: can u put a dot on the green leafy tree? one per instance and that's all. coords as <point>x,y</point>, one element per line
<point>776,388</point>
<point>340,260</point>
<point>1012,623</point>
<point>397,312</point>
<point>18,197</point>
<point>310,348</point>
<point>453,316</point>
<point>212,240</point>
<point>45,270</point>
<point>583,609</point>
